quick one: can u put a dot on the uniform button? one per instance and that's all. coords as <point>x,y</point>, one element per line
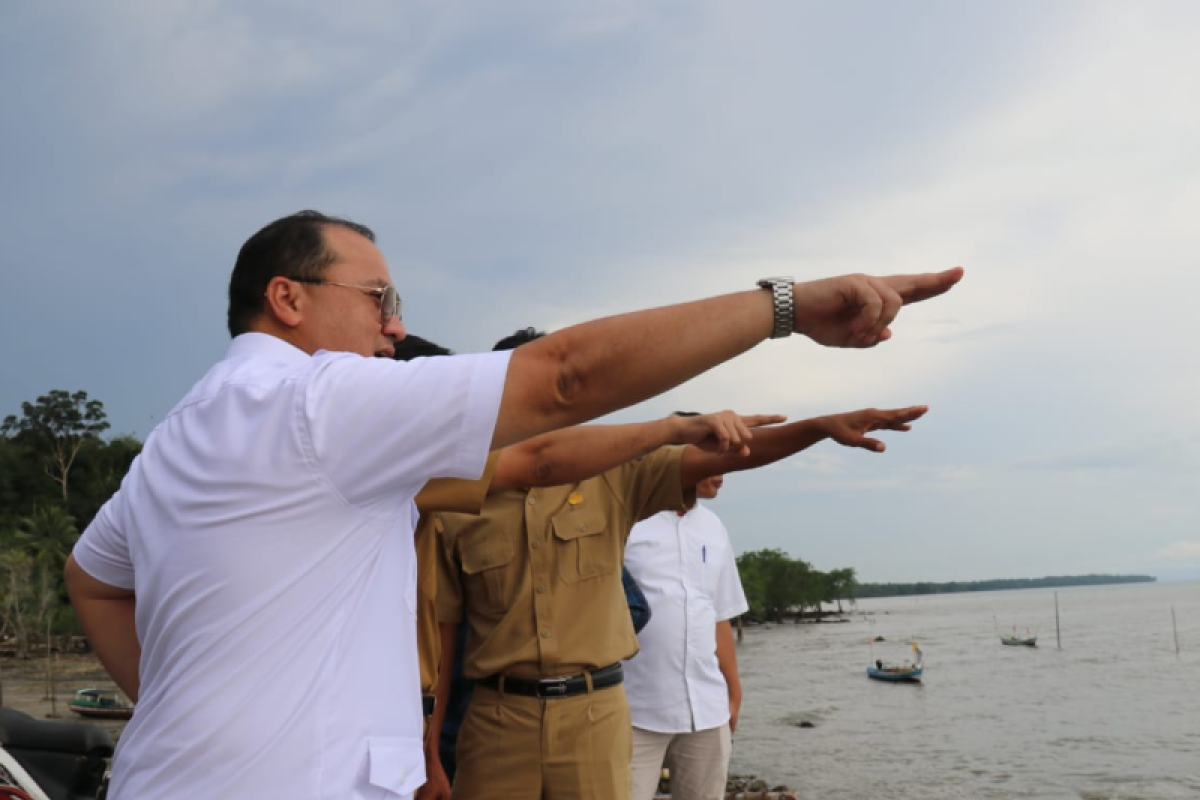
<point>545,634</point>
<point>581,527</point>
<point>536,544</point>
<point>541,588</point>
<point>533,501</point>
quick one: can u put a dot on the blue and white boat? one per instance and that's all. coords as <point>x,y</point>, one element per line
<point>907,672</point>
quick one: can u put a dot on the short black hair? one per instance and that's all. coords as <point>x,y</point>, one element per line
<point>515,340</point>
<point>292,246</point>
<point>413,346</point>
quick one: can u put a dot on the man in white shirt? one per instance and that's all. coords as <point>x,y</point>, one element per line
<point>683,685</point>
<point>244,584</point>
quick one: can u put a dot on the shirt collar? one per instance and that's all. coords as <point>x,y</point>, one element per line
<point>263,345</point>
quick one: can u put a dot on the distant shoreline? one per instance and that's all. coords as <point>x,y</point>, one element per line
<point>865,590</point>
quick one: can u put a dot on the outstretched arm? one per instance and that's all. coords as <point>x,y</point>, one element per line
<point>588,370</point>
<point>106,614</point>
<point>584,451</point>
<point>780,441</point>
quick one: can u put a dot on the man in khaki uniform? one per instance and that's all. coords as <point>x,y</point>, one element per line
<point>536,574</point>
<point>443,494</point>
<point>567,455</point>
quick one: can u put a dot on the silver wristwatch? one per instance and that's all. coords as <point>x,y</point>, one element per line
<point>785,304</point>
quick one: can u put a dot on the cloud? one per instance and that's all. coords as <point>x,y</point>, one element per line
<point>1155,453</point>
<point>526,165</point>
<point>936,479</point>
<point>1181,552</point>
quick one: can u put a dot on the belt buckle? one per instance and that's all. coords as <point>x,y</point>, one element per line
<point>552,688</point>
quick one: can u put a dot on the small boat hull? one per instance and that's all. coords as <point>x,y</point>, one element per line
<point>896,674</point>
<point>1017,641</point>
<point>101,713</point>
<point>100,704</point>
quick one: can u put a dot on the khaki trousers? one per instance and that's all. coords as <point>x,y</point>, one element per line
<point>699,763</point>
<point>523,748</point>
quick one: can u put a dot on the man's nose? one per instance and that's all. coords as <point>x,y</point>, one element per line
<point>395,330</point>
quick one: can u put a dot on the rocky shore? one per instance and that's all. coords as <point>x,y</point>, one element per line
<point>738,787</point>
<point>25,686</point>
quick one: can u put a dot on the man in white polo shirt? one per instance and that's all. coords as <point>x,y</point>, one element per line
<point>245,582</point>
<point>683,685</point>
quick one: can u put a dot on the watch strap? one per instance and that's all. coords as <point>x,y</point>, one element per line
<point>783,299</point>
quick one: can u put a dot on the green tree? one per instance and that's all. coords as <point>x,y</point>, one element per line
<point>23,483</point>
<point>47,536</point>
<point>774,582</point>
<point>16,597</point>
<point>843,585</point>
<point>60,422</point>
<point>98,474</point>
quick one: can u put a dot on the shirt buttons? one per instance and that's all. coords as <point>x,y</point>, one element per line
<point>581,527</point>
<point>541,588</point>
<point>536,544</point>
<point>533,501</point>
<point>545,633</point>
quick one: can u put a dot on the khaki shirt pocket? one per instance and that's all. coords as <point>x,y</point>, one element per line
<point>584,547</point>
<point>485,556</point>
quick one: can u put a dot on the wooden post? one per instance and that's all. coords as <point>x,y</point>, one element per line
<point>54,686</point>
<point>1175,628</point>
<point>50,676</point>
<point>1057,629</point>
<point>46,695</point>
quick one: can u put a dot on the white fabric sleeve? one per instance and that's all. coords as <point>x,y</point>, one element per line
<point>729,600</point>
<point>102,550</point>
<point>377,426</point>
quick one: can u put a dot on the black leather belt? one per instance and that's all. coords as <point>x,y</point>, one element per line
<point>550,688</point>
<point>427,703</point>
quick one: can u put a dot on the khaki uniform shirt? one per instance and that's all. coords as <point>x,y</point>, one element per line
<point>442,494</point>
<point>538,573</point>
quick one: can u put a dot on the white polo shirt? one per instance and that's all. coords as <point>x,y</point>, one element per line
<point>266,529</point>
<point>685,566</point>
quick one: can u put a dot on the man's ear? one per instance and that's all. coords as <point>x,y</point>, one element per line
<point>286,301</point>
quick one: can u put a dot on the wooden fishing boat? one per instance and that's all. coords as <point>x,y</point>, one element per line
<point>1018,641</point>
<point>907,672</point>
<point>910,673</point>
<point>100,704</point>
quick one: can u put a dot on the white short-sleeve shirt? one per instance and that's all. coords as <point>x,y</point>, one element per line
<point>266,530</point>
<point>686,568</point>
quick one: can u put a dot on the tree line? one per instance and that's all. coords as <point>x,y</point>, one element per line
<point>777,584</point>
<point>1051,581</point>
<point>56,470</point>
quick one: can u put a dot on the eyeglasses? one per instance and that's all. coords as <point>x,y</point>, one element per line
<point>390,304</point>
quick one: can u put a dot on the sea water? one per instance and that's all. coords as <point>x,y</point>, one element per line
<point>1113,715</point>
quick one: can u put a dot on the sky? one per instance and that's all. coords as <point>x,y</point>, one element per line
<point>536,163</point>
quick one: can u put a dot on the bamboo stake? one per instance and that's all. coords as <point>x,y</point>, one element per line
<point>1175,628</point>
<point>50,677</point>
<point>1057,629</point>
